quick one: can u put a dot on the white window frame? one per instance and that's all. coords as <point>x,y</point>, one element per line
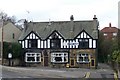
<point>59,54</point>
<point>105,34</point>
<point>114,34</point>
<point>83,55</point>
<point>34,55</point>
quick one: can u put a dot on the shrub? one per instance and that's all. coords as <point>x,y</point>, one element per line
<point>13,48</point>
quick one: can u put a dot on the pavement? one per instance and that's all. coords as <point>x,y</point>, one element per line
<point>44,72</point>
<point>0,72</point>
<point>103,66</point>
<point>103,71</point>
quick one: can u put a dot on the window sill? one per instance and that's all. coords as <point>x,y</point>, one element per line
<point>33,62</point>
<point>59,62</point>
<point>83,62</point>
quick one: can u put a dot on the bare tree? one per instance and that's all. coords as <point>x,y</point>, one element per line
<point>3,15</point>
<point>6,18</point>
<point>12,19</point>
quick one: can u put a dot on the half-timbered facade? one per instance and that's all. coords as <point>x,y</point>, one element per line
<point>61,43</point>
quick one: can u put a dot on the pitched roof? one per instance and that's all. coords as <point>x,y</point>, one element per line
<point>109,29</point>
<point>44,29</point>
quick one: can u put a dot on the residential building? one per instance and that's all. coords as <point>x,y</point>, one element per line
<point>110,32</point>
<point>119,14</point>
<point>60,43</point>
<point>10,33</point>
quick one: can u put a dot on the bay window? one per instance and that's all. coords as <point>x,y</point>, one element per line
<point>82,58</point>
<point>33,57</point>
<point>59,57</point>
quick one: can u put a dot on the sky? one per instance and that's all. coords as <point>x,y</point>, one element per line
<point>61,10</point>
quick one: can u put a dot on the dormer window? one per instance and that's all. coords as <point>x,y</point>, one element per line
<point>83,43</point>
<point>32,43</point>
<point>55,41</point>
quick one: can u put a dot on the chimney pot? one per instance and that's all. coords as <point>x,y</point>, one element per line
<point>94,17</point>
<point>71,18</point>
<point>110,25</point>
<point>25,21</point>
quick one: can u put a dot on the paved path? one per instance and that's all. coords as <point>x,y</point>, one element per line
<point>42,73</point>
<point>104,71</point>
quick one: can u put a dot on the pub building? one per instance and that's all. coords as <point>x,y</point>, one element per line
<point>60,43</point>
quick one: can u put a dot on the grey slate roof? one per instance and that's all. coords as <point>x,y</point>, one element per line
<point>44,29</point>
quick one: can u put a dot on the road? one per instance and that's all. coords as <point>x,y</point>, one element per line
<point>37,72</point>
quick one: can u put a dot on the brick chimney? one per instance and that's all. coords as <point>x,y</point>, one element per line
<point>94,17</point>
<point>71,26</point>
<point>25,25</point>
<point>95,26</point>
<point>71,18</point>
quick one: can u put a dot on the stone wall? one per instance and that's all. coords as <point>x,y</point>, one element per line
<point>13,62</point>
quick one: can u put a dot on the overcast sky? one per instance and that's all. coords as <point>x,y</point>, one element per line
<point>59,10</point>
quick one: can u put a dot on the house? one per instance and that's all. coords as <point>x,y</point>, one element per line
<point>10,33</point>
<point>60,43</point>
<point>110,32</point>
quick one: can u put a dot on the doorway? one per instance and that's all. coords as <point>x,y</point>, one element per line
<point>45,60</point>
<point>72,62</point>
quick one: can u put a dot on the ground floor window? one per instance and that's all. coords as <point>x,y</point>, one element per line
<point>59,57</point>
<point>33,57</point>
<point>83,58</point>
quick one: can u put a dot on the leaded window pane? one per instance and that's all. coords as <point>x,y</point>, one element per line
<point>55,43</point>
<point>33,57</point>
<point>30,59</point>
<point>86,59</point>
<point>33,43</point>
<point>80,58</point>
<point>83,58</point>
<point>59,57</point>
<point>38,59</point>
<point>83,43</point>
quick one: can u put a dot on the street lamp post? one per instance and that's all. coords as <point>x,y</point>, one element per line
<point>1,24</point>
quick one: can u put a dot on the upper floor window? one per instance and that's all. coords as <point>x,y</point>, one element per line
<point>55,41</point>
<point>13,36</point>
<point>32,43</point>
<point>105,34</point>
<point>83,43</point>
<point>114,34</point>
